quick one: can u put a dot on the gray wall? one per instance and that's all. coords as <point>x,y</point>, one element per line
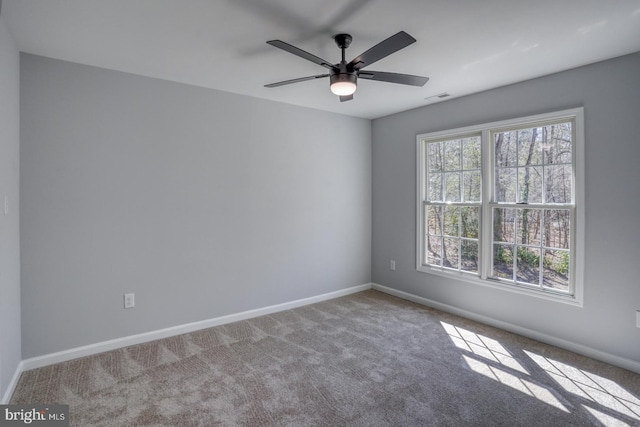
<point>9,224</point>
<point>201,202</point>
<point>610,94</point>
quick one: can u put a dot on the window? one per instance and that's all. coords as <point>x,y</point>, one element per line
<point>499,204</point>
<point>454,203</point>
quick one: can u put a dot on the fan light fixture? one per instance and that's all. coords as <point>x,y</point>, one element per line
<point>343,88</point>
<point>343,84</point>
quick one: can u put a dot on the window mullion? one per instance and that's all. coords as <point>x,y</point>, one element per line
<point>542,245</point>
<point>460,175</point>
<point>460,227</point>
<point>487,178</point>
<point>514,246</point>
<point>517,168</point>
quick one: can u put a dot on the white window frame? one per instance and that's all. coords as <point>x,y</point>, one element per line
<point>575,295</point>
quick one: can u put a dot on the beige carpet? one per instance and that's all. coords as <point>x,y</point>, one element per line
<point>368,359</point>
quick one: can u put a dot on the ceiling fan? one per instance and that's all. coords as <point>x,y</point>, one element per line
<point>343,76</point>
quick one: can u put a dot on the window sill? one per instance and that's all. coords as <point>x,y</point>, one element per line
<point>573,300</point>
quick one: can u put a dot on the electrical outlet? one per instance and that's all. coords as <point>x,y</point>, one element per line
<point>638,318</point>
<point>392,265</point>
<point>129,300</point>
<point>6,205</point>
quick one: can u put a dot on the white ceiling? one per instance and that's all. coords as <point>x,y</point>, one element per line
<point>464,46</point>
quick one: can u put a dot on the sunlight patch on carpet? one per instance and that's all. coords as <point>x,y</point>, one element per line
<point>589,386</point>
<point>527,387</point>
<point>482,346</point>
<point>605,419</point>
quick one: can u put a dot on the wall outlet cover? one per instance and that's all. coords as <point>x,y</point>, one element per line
<point>129,300</point>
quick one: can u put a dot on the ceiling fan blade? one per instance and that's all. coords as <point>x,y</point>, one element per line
<point>381,50</point>
<point>403,79</point>
<point>346,98</point>
<point>301,53</point>
<point>301,79</point>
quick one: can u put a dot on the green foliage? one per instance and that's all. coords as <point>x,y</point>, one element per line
<point>503,255</point>
<point>525,256</point>
<point>559,264</point>
<point>562,266</point>
<point>528,258</point>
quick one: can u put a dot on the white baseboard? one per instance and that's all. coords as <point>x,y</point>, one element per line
<point>88,350</point>
<point>612,359</point>
<point>12,384</point>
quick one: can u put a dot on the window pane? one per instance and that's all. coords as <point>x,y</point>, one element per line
<point>505,149</point>
<point>530,184</point>
<point>529,147</point>
<point>556,269</point>
<point>434,156</point>
<point>505,185</point>
<point>434,250</point>
<point>471,153</point>
<point>471,186</point>
<point>434,192</point>
<point>558,184</point>
<point>469,222</point>
<point>452,187</point>
<point>503,261</point>
<point>503,225</point>
<point>557,143</point>
<point>528,265</point>
<point>434,221</point>
<point>452,155</point>
<point>450,253</point>
<point>528,226</point>
<point>562,153</point>
<point>451,221</point>
<point>557,228</point>
<point>469,255</point>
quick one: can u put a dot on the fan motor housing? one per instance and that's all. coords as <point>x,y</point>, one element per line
<point>339,76</point>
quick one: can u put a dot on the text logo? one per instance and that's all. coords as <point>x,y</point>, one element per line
<point>34,415</point>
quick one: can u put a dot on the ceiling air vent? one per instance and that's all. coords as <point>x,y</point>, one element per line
<point>439,96</point>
